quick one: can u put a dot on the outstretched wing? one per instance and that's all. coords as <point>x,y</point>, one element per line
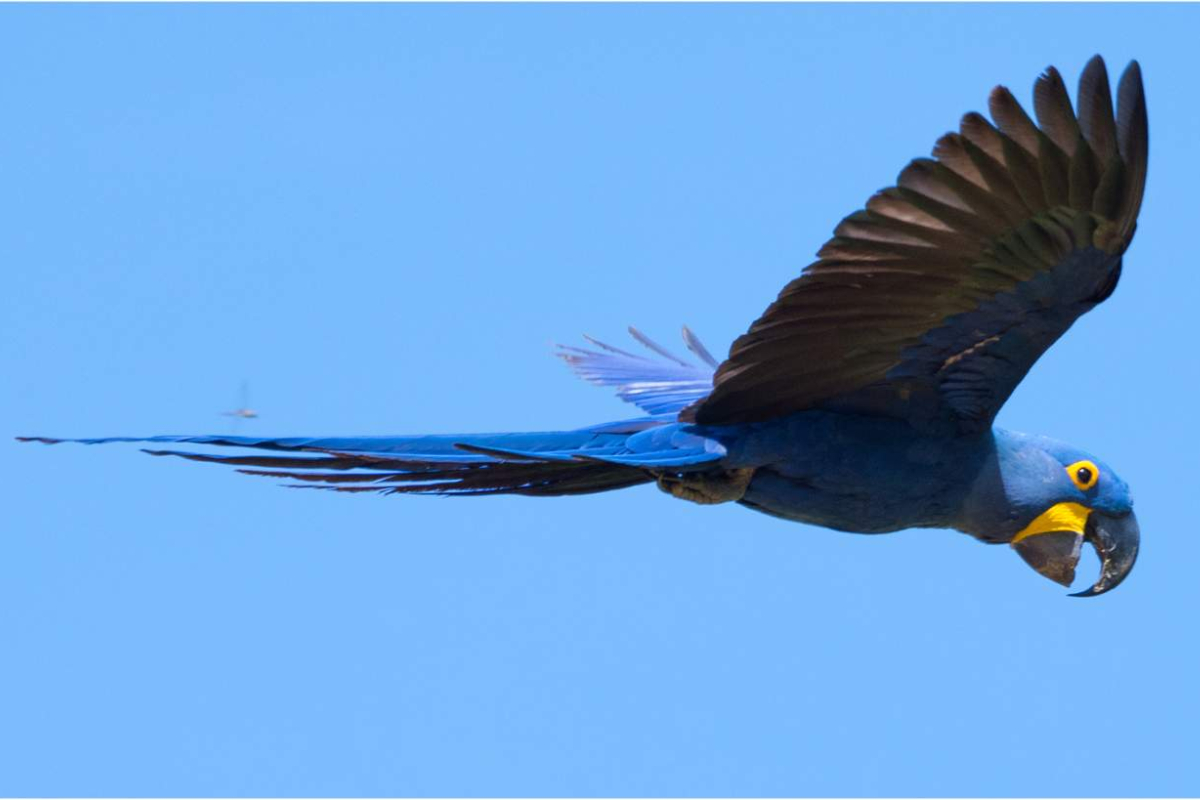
<point>664,385</point>
<point>933,302</point>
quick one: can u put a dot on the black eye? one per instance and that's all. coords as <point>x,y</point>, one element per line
<point>1083,474</point>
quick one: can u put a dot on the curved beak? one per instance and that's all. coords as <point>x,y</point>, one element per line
<point>1051,545</point>
<point>1116,541</point>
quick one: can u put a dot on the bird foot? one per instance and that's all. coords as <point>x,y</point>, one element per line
<point>708,488</point>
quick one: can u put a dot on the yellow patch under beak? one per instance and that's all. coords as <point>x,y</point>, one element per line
<point>1059,518</point>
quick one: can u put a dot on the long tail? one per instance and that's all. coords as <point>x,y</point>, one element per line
<point>596,459</point>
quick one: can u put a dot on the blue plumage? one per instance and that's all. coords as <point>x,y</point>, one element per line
<point>863,398</point>
<point>665,385</point>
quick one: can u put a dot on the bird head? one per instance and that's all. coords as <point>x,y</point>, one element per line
<point>1057,498</point>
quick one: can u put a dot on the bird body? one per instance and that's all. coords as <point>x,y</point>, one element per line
<point>853,473</point>
<point>863,398</point>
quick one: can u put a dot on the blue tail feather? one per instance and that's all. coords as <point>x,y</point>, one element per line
<point>593,459</point>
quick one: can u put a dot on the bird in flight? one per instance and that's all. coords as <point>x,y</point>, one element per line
<point>863,398</point>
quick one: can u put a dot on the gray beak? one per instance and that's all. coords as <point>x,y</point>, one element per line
<point>1116,541</point>
<point>1053,555</point>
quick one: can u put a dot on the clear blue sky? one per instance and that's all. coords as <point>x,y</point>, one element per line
<point>381,217</point>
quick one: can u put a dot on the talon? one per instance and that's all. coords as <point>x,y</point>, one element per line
<point>708,488</point>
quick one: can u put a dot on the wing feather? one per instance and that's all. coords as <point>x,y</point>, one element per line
<point>1096,118</point>
<point>657,386</point>
<point>1012,119</point>
<point>1055,116</point>
<point>932,302</point>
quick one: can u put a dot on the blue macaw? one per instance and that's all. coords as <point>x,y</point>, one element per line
<point>863,398</point>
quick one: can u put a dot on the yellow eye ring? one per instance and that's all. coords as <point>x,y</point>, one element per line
<point>1084,474</point>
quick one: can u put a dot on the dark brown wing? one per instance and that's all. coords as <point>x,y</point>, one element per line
<point>933,302</point>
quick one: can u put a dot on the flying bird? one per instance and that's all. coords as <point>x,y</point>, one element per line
<point>863,398</point>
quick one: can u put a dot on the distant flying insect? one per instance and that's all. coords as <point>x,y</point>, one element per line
<point>863,398</point>
<point>243,411</point>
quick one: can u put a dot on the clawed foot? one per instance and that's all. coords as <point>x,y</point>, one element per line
<point>708,488</point>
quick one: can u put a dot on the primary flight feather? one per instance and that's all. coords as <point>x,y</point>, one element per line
<point>863,398</point>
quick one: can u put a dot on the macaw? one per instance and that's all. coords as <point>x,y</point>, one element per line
<point>863,398</point>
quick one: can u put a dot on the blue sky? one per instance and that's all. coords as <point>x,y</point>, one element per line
<point>381,217</point>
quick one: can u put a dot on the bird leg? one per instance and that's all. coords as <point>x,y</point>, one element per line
<point>708,488</point>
